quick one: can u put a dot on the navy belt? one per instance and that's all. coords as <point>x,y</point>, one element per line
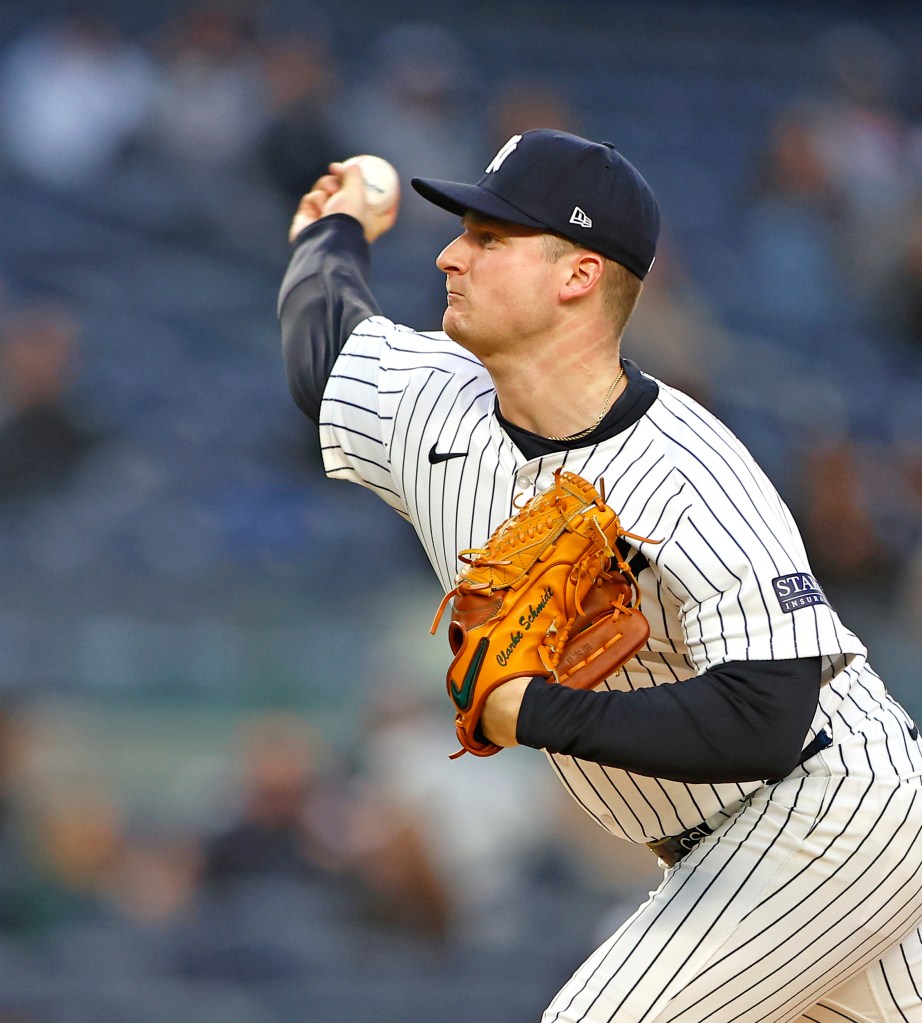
<point>671,850</point>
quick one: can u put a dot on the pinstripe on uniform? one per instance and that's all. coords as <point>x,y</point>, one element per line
<point>712,594</point>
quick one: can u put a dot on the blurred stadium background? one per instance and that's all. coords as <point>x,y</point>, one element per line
<point>206,811</point>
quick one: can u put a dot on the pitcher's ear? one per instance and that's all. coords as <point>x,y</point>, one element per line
<point>586,269</point>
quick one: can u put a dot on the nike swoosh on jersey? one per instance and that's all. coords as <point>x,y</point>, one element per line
<point>462,694</point>
<point>442,456</point>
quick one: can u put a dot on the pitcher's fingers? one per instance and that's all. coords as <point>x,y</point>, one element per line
<point>310,209</point>
<point>328,183</point>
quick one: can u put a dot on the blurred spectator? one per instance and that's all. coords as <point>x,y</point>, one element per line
<point>402,883</point>
<point>78,827</point>
<point>42,441</point>
<point>73,93</point>
<point>899,301</point>
<point>908,601</point>
<point>416,107</point>
<point>211,107</point>
<point>829,213</point>
<point>70,856</point>
<point>299,141</point>
<point>298,822</point>
<point>287,821</point>
<point>527,103</point>
<point>861,138</point>
<point>791,219</point>
<point>156,874</point>
<point>902,493</point>
<point>839,526</point>
<point>481,837</point>
<point>73,821</point>
<point>20,911</point>
<point>674,334</point>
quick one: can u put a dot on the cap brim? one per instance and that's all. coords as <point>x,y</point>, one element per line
<point>459,198</point>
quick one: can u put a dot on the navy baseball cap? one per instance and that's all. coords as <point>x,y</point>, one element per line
<point>585,191</point>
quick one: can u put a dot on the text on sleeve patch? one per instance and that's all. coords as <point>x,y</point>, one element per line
<point>797,590</point>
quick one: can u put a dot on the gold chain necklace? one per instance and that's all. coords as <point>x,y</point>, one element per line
<point>595,425</point>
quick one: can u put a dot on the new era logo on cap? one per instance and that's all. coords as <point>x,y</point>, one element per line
<point>548,180</point>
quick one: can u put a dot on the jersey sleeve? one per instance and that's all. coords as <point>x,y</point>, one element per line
<point>358,411</point>
<point>324,296</point>
<point>376,389</point>
<point>734,565</point>
<point>390,388</point>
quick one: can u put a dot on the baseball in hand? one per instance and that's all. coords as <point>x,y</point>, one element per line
<point>382,184</point>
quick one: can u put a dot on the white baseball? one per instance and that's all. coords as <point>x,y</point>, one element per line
<point>382,183</point>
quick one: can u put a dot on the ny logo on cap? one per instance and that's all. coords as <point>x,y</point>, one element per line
<point>579,218</point>
<point>500,158</point>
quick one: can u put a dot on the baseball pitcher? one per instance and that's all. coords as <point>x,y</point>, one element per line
<point>626,592</point>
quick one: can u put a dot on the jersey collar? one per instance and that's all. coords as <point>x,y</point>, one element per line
<point>632,404</point>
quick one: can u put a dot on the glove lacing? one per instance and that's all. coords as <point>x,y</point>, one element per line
<point>526,526</point>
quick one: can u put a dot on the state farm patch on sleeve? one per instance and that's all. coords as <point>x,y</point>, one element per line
<point>797,590</point>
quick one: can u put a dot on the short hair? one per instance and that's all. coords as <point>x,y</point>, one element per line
<point>620,287</point>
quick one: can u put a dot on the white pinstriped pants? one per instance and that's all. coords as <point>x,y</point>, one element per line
<point>804,907</point>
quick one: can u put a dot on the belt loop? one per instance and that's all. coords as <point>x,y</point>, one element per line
<point>817,745</point>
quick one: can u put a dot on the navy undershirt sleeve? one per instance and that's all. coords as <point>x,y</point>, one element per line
<point>324,297</point>
<point>740,721</point>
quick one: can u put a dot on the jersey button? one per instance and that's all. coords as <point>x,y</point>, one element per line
<point>524,482</point>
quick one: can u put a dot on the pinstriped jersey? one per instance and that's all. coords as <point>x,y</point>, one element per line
<point>723,575</point>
